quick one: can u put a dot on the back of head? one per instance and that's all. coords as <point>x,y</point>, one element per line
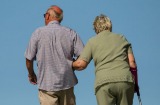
<point>56,12</point>
<point>102,23</point>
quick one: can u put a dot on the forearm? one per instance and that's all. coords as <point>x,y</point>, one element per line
<point>31,75</point>
<point>132,62</point>
<point>133,65</point>
<point>29,65</point>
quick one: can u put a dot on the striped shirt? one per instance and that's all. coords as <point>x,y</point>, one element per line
<point>54,46</point>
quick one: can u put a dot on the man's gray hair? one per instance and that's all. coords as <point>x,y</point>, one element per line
<point>102,23</point>
<point>56,14</point>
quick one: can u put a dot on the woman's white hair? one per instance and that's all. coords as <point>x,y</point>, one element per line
<point>102,23</point>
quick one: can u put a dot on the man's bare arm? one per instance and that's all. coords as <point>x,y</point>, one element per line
<point>31,74</point>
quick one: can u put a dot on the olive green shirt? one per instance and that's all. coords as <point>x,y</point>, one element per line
<point>109,52</point>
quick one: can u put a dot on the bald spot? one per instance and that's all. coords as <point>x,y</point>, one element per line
<point>57,9</point>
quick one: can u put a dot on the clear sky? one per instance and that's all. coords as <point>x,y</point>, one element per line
<point>138,20</point>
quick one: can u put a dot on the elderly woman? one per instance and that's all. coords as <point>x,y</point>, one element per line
<point>113,57</point>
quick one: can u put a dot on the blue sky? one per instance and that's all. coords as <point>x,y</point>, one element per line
<point>138,20</point>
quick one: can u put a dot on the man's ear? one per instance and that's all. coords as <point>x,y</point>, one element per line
<point>47,16</point>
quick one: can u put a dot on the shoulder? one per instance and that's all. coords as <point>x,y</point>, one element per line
<point>68,29</point>
<point>39,29</point>
<point>122,37</point>
<point>36,33</point>
<point>92,40</point>
<point>118,35</point>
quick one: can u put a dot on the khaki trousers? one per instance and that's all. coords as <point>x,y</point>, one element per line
<point>62,97</point>
<point>115,94</point>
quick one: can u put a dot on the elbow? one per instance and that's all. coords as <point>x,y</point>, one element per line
<point>29,63</point>
<point>133,65</point>
<point>132,62</point>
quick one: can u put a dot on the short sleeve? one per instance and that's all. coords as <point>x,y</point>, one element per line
<point>86,54</point>
<point>128,45</point>
<point>31,50</point>
<point>78,45</point>
<point>130,51</point>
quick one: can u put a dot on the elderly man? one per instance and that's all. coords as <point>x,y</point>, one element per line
<point>54,46</point>
<point>112,55</point>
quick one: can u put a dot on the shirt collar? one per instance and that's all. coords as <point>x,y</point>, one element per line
<point>53,22</point>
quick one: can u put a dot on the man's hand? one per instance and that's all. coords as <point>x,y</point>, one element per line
<point>31,76</point>
<point>32,79</point>
<point>79,64</point>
